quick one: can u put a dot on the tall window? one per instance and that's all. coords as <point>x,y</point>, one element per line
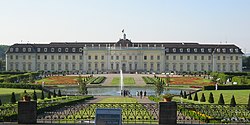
<point>152,57</point>
<point>59,57</point>
<point>174,57</point>
<point>145,57</point>
<point>52,66</point>
<point>158,57</point>
<point>181,57</point>
<point>96,57</point>
<point>73,57</point>
<point>66,57</point>
<point>102,57</point>
<point>89,57</point>
<point>145,66</point>
<point>195,57</point>
<point>188,57</point>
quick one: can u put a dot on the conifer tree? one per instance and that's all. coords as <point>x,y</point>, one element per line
<point>196,97</point>
<point>0,102</point>
<point>185,95</point>
<point>42,96</point>
<point>49,96</point>
<point>189,96</point>
<point>54,93</point>
<point>181,94</point>
<point>221,100</point>
<point>13,98</point>
<point>203,98</point>
<point>233,102</point>
<point>211,98</point>
<point>59,93</point>
<point>34,95</point>
<point>248,105</point>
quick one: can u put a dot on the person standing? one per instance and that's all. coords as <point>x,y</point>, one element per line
<point>145,94</point>
<point>140,94</point>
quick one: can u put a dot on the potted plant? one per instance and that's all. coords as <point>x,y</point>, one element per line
<point>25,96</point>
<point>167,97</point>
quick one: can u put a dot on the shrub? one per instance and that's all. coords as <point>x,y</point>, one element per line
<point>54,93</point>
<point>59,93</point>
<point>49,96</point>
<point>42,96</point>
<point>181,93</point>
<point>34,95</point>
<point>20,86</point>
<point>203,98</point>
<point>185,95</point>
<point>13,98</point>
<point>211,98</point>
<point>221,100</point>
<point>189,96</point>
<point>196,97</point>
<point>0,102</point>
<point>233,102</point>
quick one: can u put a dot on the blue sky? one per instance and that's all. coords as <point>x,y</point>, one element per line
<point>43,21</point>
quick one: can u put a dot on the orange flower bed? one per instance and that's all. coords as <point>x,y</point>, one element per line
<point>189,81</point>
<point>59,80</point>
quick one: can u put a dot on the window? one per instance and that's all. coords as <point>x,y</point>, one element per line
<point>135,66</point>
<point>52,57</point>
<point>188,57</point>
<point>96,57</point>
<point>181,67</point>
<point>151,66</point>
<point>224,50</point>
<point>81,66</point>
<point>102,57</point>
<point>210,50</point>
<point>195,67</point>
<point>181,57</point>
<point>209,57</point>
<point>181,50</point>
<point>73,49</point>
<point>130,66</point>
<point>236,50</point>
<point>80,57</point>
<point>135,57</point>
<point>11,57</point>
<point>145,66</point>
<point>167,57</point>
<point>174,57</point>
<point>59,49</point>
<point>158,58</point>
<point>66,66</point>
<point>152,57</point>
<point>66,49</point>
<point>52,49</point>
<point>188,49</point>
<point>218,58</point>
<point>202,50</point>
<point>73,57</point>
<point>117,57</point>
<point>52,66</point>
<point>195,57</point>
<point>174,50</point>
<point>224,57</point>
<point>188,67</point>
<point>202,57</point>
<point>117,66</point>
<point>231,50</point>
<point>38,57</point>
<point>236,57</point>
<point>66,57</point>
<point>29,49</point>
<point>89,57</point>
<point>231,58</point>
<point>102,66</point>
<point>112,57</point>
<point>123,57</point>
<point>29,57</point>
<point>45,66</point>
<point>24,49</point>
<point>45,49</point>
<point>16,56</point>
<point>16,49</point>
<point>45,57</point>
<point>130,57</point>
<point>11,49</point>
<point>59,57</point>
<point>195,50</point>
<point>112,66</point>
<point>218,49</point>
<point>80,49</point>
<point>167,49</point>
<point>38,49</point>
<point>59,66</point>
<point>145,57</point>
<point>73,66</point>
<point>24,57</point>
<point>158,66</point>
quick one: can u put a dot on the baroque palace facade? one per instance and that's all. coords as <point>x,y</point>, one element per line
<point>86,57</point>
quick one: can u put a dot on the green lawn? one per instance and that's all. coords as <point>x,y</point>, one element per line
<point>5,93</point>
<point>241,96</point>
<point>126,81</point>
<point>119,100</point>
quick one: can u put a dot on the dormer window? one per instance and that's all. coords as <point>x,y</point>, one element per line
<point>59,49</point>
<point>167,49</point>
<point>11,49</point>
<point>80,49</point>
<point>38,49</point>
<point>236,50</point>
<point>45,49</point>
<point>202,50</point>
<point>29,49</point>
<point>224,50</point>
<point>218,49</point>
<point>181,50</point>
<point>188,49</point>
<point>231,50</point>
<point>52,49</point>
<point>148,45</point>
<point>195,49</point>
<point>174,50</point>
<point>154,45</point>
<point>209,50</point>
<point>66,49</point>
<point>24,49</point>
<point>73,49</point>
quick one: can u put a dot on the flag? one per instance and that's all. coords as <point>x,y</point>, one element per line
<point>123,31</point>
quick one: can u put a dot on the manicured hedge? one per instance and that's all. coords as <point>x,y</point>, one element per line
<point>98,80</point>
<point>12,73</point>
<point>149,80</point>
<point>20,85</point>
<point>227,87</point>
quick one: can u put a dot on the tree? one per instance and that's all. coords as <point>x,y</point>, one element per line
<point>233,102</point>
<point>211,98</point>
<point>0,102</point>
<point>185,95</point>
<point>203,98</point>
<point>195,97</point>
<point>54,93</point>
<point>42,96</point>
<point>221,100</point>
<point>181,94</point>
<point>13,98</point>
<point>248,104</point>
<point>82,86</point>
<point>159,87</point>
<point>59,93</point>
<point>34,95</point>
<point>189,96</point>
<point>167,80</point>
<point>49,96</point>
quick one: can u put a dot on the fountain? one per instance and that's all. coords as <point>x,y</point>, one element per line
<point>121,80</point>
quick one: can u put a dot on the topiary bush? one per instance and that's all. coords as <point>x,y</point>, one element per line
<point>203,98</point>
<point>54,93</point>
<point>42,95</point>
<point>13,98</point>
<point>185,95</point>
<point>189,96</point>
<point>233,102</point>
<point>59,93</point>
<point>196,97</point>
<point>49,96</point>
<point>221,100</point>
<point>0,102</point>
<point>34,95</point>
<point>181,93</point>
<point>211,98</point>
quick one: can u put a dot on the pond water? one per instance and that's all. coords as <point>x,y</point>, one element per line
<point>114,91</point>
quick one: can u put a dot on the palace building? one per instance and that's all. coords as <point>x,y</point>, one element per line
<point>158,57</point>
